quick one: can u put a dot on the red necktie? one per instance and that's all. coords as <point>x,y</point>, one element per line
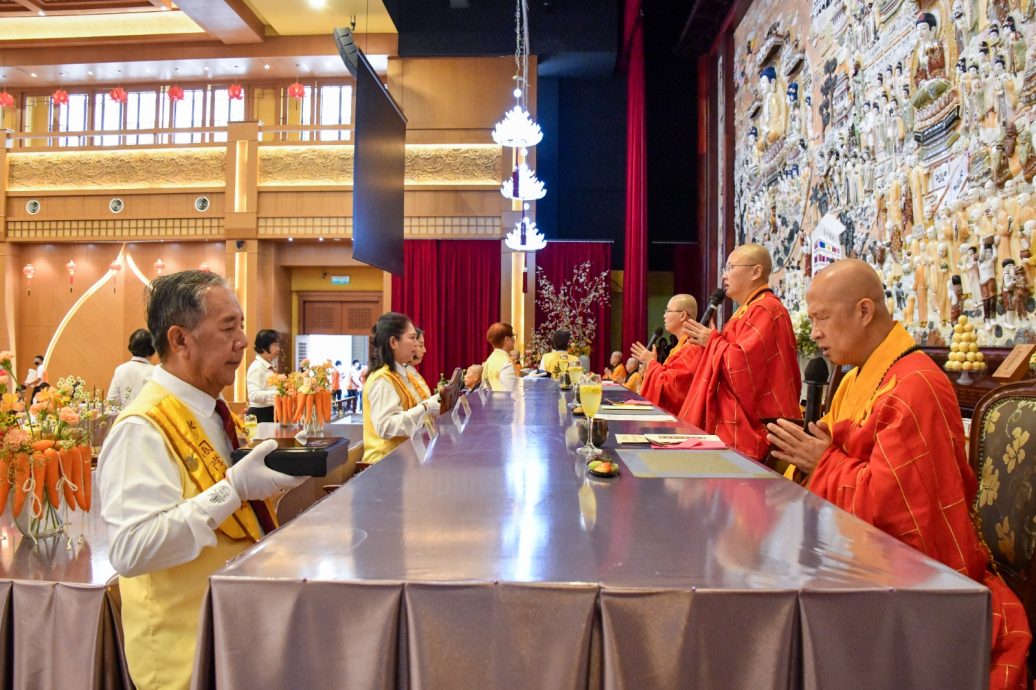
<point>261,510</point>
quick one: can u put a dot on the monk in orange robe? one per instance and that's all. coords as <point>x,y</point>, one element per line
<point>749,371</point>
<point>891,449</point>
<point>665,384</point>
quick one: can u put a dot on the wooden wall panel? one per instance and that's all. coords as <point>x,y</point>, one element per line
<point>95,206</point>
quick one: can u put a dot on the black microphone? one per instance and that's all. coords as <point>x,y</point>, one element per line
<point>816,378</point>
<point>718,295</point>
<point>654,338</point>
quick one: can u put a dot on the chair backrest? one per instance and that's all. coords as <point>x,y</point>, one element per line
<point>1003,455</point>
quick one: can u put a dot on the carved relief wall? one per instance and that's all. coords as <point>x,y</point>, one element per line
<point>127,169</point>
<point>900,133</point>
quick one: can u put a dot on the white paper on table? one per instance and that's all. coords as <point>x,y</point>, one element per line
<point>636,417</point>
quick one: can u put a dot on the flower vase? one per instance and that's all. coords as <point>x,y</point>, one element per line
<point>314,427</point>
<point>40,518</point>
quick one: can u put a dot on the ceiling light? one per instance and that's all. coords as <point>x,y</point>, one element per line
<point>317,4</point>
<point>42,13</point>
<point>32,74</point>
<point>266,67</point>
<point>90,73</point>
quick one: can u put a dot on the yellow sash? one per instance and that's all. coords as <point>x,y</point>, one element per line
<point>375,447</point>
<point>744,306</point>
<point>861,387</point>
<point>418,382</point>
<point>680,344</point>
<point>187,443</point>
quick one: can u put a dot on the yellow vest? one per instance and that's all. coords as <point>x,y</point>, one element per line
<point>418,382</point>
<point>492,368</point>
<point>161,610</point>
<point>375,447</point>
<point>551,360</point>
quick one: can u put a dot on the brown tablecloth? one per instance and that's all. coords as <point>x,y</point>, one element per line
<point>59,608</point>
<point>484,559</point>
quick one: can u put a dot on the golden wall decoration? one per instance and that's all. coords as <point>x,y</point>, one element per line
<point>126,169</point>
<point>123,230</point>
<point>414,227</point>
<point>426,165</point>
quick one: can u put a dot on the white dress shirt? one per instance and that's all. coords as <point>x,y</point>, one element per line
<point>30,376</point>
<point>387,414</point>
<point>259,393</point>
<point>508,377</point>
<point>150,524</point>
<point>128,379</point>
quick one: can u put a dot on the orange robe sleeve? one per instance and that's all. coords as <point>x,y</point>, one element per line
<point>903,469</point>
<point>748,372</point>
<point>666,385</point>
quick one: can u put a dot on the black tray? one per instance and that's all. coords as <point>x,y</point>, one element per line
<point>310,460</point>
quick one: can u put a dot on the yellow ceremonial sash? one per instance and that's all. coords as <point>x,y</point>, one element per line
<point>742,308</point>
<point>375,447</point>
<point>419,384</point>
<point>186,441</point>
<point>680,344</point>
<point>861,387</point>
<point>493,367</point>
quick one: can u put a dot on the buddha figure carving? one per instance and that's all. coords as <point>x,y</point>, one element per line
<point>930,55</point>
<point>794,112</point>
<point>774,116</point>
<point>1016,47</point>
<point>918,189</point>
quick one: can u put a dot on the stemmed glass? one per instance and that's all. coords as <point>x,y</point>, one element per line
<point>564,382</point>
<point>590,392</point>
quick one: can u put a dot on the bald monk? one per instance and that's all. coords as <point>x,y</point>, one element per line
<point>666,384</point>
<point>635,378</point>
<point>891,450</point>
<point>749,371</point>
<point>615,370</point>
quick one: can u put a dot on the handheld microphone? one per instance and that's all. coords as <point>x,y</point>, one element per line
<point>654,338</point>
<point>716,299</point>
<point>816,378</point>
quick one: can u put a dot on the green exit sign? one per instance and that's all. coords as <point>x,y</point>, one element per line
<point>340,280</point>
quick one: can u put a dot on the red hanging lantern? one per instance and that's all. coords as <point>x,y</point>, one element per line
<point>71,268</point>
<point>236,92</point>
<point>175,93</point>
<point>159,266</point>
<point>118,94</point>
<point>115,267</point>
<point>6,100</point>
<point>297,91</point>
<point>30,272</point>
<point>60,97</point>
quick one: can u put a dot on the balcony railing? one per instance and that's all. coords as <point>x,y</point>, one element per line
<point>171,137</point>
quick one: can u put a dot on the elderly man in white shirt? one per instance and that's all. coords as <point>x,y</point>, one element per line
<point>129,377</point>
<point>175,511</point>
<point>260,392</point>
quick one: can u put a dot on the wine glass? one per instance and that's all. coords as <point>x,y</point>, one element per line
<point>564,381</point>
<point>251,423</point>
<point>590,392</point>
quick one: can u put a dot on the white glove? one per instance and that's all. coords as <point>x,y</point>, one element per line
<point>253,480</point>
<point>431,405</point>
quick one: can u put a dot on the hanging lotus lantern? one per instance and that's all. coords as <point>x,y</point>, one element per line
<point>297,91</point>
<point>175,93</point>
<point>115,267</point>
<point>159,266</point>
<point>236,92</point>
<point>30,272</point>
<point>60,97</point>
<point>71,268</point>
<point>204,267</point>
<point>6,99</point>
<point>118,94</point>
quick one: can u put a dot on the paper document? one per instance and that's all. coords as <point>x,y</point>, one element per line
<point>703,464</point>
<point>635,417</point>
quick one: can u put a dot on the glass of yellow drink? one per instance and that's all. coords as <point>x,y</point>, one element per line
<point>590,392</point>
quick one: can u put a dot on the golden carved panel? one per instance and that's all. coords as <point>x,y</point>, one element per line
<point>120,230</point>
<point>426,165</point>
<point>126,169</point>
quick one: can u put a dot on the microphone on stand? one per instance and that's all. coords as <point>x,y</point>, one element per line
<point>716,299</point>
<point>816,377</point>
<point>654,338</point>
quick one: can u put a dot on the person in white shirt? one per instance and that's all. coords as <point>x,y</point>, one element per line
<point>393,410</point>
<point>498,371</point>
<point>129,377</point>
<point>175,511</point>
<point>35,377</point>
<point>260,392</point>
<point>357,377</point>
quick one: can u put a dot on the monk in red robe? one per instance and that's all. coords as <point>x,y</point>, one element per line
<point>749,371</point>
<point>891,449</point>
<point>665,384</point>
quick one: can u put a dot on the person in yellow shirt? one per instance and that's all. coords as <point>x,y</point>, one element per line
<point>551,361</point>
<point>498,372</point>
<point>393,409</point>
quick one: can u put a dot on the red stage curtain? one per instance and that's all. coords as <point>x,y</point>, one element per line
<point>634,297</point>
<point>451,289</point>
<point>558,260</point>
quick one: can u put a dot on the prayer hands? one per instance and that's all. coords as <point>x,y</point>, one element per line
<point>796,446</point>
<point>642,354</point>
<point>697,333</point>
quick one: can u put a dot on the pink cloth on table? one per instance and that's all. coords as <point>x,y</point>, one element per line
<point>691,444</point>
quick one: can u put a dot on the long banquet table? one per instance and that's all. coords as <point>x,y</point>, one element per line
<point>485,558</point>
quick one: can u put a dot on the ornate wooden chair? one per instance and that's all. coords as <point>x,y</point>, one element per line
<point>1003,455</point>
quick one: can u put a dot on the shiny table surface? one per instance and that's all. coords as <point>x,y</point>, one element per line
<point>499,500</point>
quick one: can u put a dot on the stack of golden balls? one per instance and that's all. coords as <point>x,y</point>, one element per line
<point>964,353</point>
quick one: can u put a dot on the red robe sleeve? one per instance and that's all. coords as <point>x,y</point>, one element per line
<point>905,472</point>
<point>666,385</point>
<point>748,372</point>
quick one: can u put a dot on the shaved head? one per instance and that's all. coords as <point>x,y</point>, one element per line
<point>747,271</point>
<point>679,309</point>
<point>753,254</point>
<point>684,303</point>
<point>849,281</point>
<point>846,303</point>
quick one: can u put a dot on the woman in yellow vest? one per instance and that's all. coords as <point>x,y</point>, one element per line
<point>411,371</point>
<point>498,372</point>
<point>393,410</point>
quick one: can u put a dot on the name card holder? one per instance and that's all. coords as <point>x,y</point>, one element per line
<point>1015,366</point>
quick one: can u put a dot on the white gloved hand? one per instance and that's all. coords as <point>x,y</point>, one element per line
<point>431,405</point>
<point>253,480</point>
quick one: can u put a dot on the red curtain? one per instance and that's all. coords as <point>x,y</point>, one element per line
<point>557,261</point>
<point>634,291</point>
<point>451,289</point>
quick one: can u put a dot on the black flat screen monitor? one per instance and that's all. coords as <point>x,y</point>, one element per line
<point>379,163</point>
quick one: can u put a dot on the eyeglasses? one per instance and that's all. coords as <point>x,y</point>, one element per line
<point>729,267</point>
<point>674,311</point>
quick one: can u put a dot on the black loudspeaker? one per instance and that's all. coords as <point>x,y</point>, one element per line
<point>347,48</point>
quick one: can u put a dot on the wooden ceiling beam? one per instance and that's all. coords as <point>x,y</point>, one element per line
<point>31,6</point>
<point>228,21</point>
